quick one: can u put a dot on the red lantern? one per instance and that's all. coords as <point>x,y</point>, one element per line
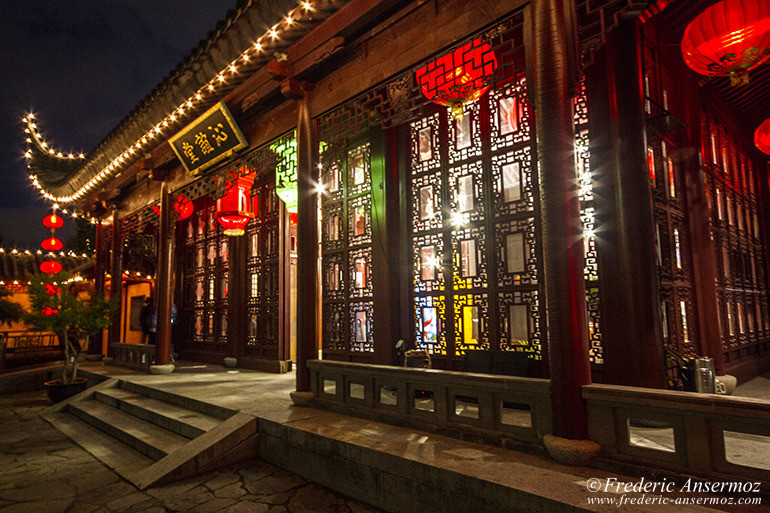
<point>50,267</point>
<point>762,137</point>
<point>233,209</point>
<point>53,222</point>
<point>52,244</point>
<point>728,38</point>
<point>183,207</point>
<point>52,289</point>
<point>459,77</point>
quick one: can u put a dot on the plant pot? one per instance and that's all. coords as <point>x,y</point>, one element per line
<point>58,391</point>
<point>230,362</point>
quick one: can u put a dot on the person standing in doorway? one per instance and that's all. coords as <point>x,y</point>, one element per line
<point>148,320</point>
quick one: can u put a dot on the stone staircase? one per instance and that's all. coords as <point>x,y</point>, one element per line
<point>152,436</point>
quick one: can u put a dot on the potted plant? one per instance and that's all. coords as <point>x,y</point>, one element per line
<point>59,304</point>
<point>10,312</point>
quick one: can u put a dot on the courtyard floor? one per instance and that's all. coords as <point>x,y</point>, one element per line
<point>43,471</point>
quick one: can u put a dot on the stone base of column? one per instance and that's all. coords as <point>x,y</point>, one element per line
<point>301,398</point>
<point>571,452</point>
<point>162,369</point>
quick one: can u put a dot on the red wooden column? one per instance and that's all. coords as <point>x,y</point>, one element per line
<point>307,250</point>
<point>100,257</point>
<point>165,293</point>
<point>565,295</point>
<point>116,282</point>
<point>628,270</point>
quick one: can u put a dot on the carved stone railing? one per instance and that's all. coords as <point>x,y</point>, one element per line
<point>472,405</point>
<point>134,356</point>
<point>702,434</point>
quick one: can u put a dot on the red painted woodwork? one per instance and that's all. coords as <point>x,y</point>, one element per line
<point>50,267</point>
<point>53,221</point>
<point>234,208</point>
<point>762,137</point>
<point>728,38</point>
<point>459,77</point>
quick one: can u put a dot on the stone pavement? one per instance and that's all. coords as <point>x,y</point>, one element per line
<point>43,471</point>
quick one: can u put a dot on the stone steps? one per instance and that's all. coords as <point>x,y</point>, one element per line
<point>150,436</point>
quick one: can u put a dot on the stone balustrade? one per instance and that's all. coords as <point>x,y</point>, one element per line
<point>492,407</point>
<point>134,356</point>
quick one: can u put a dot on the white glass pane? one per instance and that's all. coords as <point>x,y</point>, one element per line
<point>519,323</point>
<point>463,134</point>
<point>515,252</point>
<point>361,272</point>
<point>511,182</point>
<point>465,193</point>
<point>428,263</point>
<point>361,335</point>
<point>424,144</point>
<point>509,115</point>
<point>468,258</point>
<point>427,208</point>
<point>429,325</point>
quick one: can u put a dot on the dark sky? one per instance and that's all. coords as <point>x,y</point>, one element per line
<point>81,66</point>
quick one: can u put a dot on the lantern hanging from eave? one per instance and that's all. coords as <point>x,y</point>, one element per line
<point>459,77</point>
<point>286,172</point>
<point>728,38</point>
<point>50,267</point>
<point>53,222</point>
<point>762,137</point>
<point>52,244</point>
<point>182,206</point>
<point>234,208</point>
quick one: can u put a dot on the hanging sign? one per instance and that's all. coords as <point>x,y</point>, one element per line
<point>211,138</point>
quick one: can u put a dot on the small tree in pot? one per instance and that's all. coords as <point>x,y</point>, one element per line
<point>56,305</point>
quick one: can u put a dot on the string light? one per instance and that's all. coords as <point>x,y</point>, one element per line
<point>194,101</point>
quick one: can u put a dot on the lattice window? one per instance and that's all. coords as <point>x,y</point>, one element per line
<point>346,241</point>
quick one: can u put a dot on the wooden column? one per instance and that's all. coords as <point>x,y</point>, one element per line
<point>165,293</point>
<point>116,281</point>
<point>307,244</point>
<point>96,342</point>
<point>625,237</point>
<point>562,230</point>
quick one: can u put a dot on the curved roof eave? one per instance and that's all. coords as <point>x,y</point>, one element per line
<point>241,43</point>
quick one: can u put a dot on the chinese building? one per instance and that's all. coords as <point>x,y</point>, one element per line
<point>509,191</point>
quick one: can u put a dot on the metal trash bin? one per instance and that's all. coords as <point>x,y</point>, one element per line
<point>705,376</point>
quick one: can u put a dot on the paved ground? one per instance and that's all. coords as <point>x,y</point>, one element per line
<point>42,471</point>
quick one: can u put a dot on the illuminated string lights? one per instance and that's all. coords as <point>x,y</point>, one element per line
<point>207,93</point>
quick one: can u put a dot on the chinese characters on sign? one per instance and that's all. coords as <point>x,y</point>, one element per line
<point>209,139</point>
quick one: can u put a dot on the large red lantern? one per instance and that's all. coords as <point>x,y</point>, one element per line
<point>234,208</point>
<point>52,244</point>
<point>50,267</point>
<point>53,222</point>
<point>459,77</point>
<point>762,137</point>
<point>728,38</point>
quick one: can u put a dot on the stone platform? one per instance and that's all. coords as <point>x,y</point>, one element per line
<point>394,468</point>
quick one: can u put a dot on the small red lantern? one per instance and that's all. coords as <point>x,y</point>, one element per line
<point>728,38</point>
<point>52,244</point>
<point>233,209</point>
<point>52,289</point>
<point>459,77</point>
<point>49,312</point>
<point>183,207</point>
<point>50,267</point>
<point>53,222</point>
<point>762,137</point>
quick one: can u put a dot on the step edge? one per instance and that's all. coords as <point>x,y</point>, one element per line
<point>222,412</point>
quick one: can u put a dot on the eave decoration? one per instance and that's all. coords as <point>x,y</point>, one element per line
<point>762,137</point>
<point>729,38</point>
<point>459,77</point>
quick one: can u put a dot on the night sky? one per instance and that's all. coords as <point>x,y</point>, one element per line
<point>81,66</point>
